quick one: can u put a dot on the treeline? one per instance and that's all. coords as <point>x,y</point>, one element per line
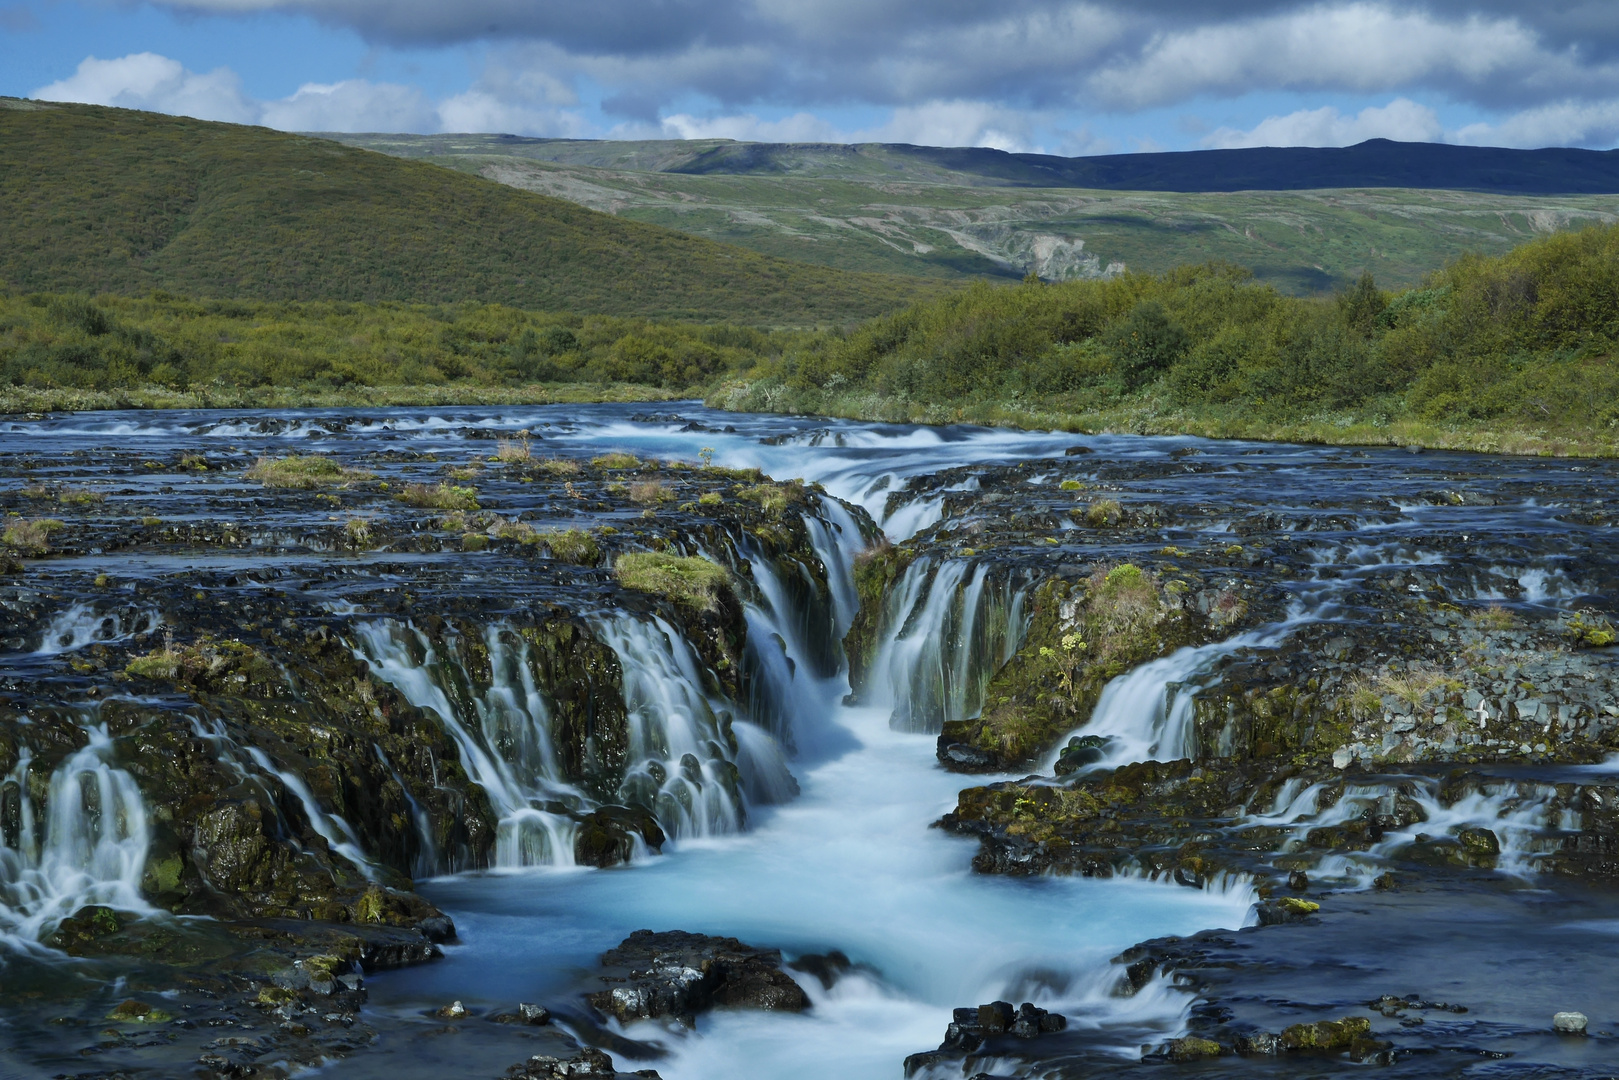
<point>110,343</point>
<point>1527,338</point>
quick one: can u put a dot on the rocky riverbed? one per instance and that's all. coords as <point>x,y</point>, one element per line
<point>306,722</point>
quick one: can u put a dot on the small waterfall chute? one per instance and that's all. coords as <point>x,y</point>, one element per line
<point>945,631</point>
<point>87,845</point>
<point>504,735</point>
<point>1146,714</point>
<point>338,833</point>
<point>683,747</point>
<point>85,624</point>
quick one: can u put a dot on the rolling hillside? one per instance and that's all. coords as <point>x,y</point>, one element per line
<point>111,200</point>
<point>954,214</point>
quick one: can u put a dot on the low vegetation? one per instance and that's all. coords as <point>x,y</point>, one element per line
<point>439,496</point>
<point>1513,353</point>
<point>30,536</point>
<point>695,582</point>
<point>303,472</point>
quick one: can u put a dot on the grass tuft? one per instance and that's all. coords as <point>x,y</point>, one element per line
<point>695,582</point>
<point>304,473</point>
<point>439,497</point>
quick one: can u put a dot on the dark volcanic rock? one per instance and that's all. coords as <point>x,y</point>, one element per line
<point>677,975</point>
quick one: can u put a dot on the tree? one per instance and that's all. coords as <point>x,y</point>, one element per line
<point>1147,343</point>
<point>1362,305</point>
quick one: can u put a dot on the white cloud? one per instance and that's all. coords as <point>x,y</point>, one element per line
<point>352,105</point>
<point>480,110</point>
<point>957,123</point>
<point>149,81</point>
<point>1566,123</point>
<point>1401,119</point>
<point>1364,47</point>
<point>800,127</point>
<point>937,123</point>
<point>159,84</point>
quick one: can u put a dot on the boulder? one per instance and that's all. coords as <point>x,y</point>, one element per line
<point>677,975</point>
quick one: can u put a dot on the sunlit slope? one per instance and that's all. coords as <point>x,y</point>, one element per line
<point>111,200</point>
<point>873,208</point>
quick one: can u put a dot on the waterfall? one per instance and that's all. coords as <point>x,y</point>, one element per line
<point>87,847</point>
<point>504,737</point>
<point>690,757</point>
<point>837,538</point>
<point>796,672</point>
<point>338,834</point>
<point>945,631</point>
<point>1146,713</point>
<point>81,625</point>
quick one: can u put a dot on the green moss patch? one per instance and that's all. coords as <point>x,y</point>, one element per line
<point>694,582</point>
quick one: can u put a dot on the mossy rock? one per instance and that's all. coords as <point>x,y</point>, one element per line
<point>1326,1036</point>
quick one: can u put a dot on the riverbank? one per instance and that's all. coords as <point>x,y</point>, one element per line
<point>1152,417</point>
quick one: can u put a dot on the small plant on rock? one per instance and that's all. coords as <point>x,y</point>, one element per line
<point>694,582</point>
<point>558,466</point>
<point>616,460</point>
<point>32,536</point>
<point>650,491</point>
<point>1104,513</point>
<point>1589,630</point>
<point>572,546</point>
<point>513,452</point>
<point>439,496</point>
<point>303,473</point>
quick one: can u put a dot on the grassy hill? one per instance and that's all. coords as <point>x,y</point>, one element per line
<point>103,200</point>
<point>902,210</point>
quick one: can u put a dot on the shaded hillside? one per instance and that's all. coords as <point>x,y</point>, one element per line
<point>111,200</point>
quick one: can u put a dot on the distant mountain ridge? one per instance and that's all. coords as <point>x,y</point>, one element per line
<point>1375,163</point>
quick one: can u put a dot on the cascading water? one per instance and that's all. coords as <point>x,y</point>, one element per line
<point>86,845</point>
<point>338,834</point>
<point>691,758</point>
<point>1518,815</point>
<point>945,631</point>
<point>504,736</point>
<point>85,624</point>
<point>1146,713</point>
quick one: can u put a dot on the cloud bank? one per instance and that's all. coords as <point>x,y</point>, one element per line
<point>947,71</point>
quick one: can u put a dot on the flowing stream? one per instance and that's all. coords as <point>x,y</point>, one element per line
<point>800,818</point>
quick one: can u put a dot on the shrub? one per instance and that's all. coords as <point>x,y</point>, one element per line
<point>32,536</point>
<point>650,491</point>
<point>695,582</point>
<point>710,498</point>
<point>616,460</point>
<point>303,473</point>
<point>1147,344</point>
<point>439,497</point>
<point>558,466</point>
<point>513,451</point>
<point>1121,609</point>
<point>357,533</point>
<point>572,546</point>
<point>1104,513</point>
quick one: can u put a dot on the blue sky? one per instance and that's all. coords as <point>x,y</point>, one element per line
<point>1056,76</point>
